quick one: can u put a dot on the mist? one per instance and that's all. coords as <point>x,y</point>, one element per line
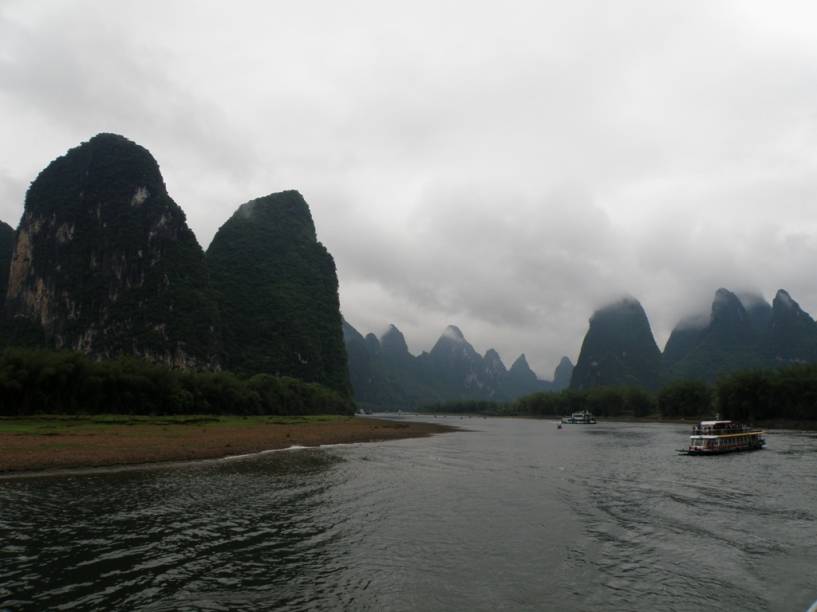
<point>503,168</point>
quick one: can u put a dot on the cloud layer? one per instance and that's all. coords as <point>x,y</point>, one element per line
<point>503,167</point>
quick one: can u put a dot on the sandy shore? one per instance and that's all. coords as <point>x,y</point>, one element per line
<point>56,443</point>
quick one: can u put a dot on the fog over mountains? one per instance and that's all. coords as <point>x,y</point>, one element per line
<point>507,170</point>
<point>741,331</point>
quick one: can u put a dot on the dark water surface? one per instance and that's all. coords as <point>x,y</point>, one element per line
<point>512,515</point>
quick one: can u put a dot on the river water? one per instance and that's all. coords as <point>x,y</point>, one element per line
<point>512,514</point>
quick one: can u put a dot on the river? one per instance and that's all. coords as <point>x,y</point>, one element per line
<point>512,514</point>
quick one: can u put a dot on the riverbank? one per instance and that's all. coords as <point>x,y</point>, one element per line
<point>59,442</point>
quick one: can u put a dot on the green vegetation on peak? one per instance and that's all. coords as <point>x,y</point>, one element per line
<point>740,333</point>
<point>105,263</point>
<point>278,291</point>
<point>618,350</point>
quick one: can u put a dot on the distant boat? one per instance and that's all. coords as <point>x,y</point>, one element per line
<point>583,418</point>
<point>718,437</point>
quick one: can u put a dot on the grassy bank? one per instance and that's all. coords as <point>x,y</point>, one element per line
<point>57,441</point>
<point>34,382</point>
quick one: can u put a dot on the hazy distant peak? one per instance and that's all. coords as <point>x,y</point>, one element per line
<point>751,299</point>
<point>784,305</point>
<point>565,361</point>
<point>452,332</point>
<point>393,342</point>
<point>562,374</point>
<point>723,294</point>
<point>493,362</point>
<point>727,304</point>
<point>626,304</point>
<point>492,356</point>
<point>783,299</point>
<point>349,332</point>
<point>692,322</point>
<point>372,343</point>
<point>521,363</point>
<point>757,309</point>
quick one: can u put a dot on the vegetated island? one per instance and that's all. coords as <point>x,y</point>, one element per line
<point>59,442</point>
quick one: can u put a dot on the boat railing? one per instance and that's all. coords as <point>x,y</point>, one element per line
<point>699,430</point>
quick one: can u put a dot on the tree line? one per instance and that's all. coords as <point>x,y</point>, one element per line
<point>788,393</point>
<point>63,382</point>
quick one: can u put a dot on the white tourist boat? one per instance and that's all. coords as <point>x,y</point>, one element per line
<point>717,437</point>
<point>583,417</point>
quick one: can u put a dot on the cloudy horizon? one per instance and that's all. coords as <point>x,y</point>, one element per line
<point>505,169</point>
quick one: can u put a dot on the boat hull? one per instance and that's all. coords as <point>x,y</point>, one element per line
<point>719,451</point>
<point>580,418</point>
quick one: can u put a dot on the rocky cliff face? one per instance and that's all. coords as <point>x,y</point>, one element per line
<point>618,350</point>
<point>278,290</point>
<point>6,253</point>
<point>105,263</point>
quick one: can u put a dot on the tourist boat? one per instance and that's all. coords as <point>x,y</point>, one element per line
<point>717,437</point>
<point>584,418</point>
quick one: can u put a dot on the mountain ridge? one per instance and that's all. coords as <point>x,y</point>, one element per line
<point>451,370</point>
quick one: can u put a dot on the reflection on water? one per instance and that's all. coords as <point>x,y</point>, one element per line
<point>513,514</point>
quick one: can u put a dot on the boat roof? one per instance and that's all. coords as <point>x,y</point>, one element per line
<point>710,423</point>
<point>737,435</point>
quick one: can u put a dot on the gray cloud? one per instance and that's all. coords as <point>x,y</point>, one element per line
<point>506,168</point>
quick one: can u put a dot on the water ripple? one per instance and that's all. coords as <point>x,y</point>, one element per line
<point>513,515</point>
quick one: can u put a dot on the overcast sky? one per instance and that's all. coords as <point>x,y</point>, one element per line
<point>503,166</point>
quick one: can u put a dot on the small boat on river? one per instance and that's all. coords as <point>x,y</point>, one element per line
<point>583,418</point>
<point>718,437</point>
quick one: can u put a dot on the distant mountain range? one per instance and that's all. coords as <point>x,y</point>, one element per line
<point>386,375</point>
<point>740,332</point>
<point>103,262</point>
